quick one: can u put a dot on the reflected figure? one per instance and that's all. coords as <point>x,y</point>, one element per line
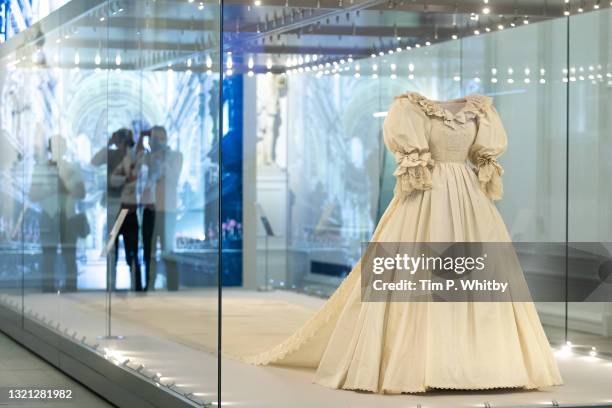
<point>125,177</point>
<point>57,186</point>
<point>159,200</point>
<point>111,156</point>
<point>119,157</point>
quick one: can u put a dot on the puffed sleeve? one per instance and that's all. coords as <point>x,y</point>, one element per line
<point>404,135</point>
<point>490,143</point>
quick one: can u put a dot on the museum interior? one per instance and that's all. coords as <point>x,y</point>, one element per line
<point>262,124</point>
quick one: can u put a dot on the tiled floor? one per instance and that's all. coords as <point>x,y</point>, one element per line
<point>19,368</point>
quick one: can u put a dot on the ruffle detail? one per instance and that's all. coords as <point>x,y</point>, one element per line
<point>449,388</point>
<point>413,172</point>
<point>489,173</point>
<point>475,107</point>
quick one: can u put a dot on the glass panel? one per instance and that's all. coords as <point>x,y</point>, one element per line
<point>12,226</point>
<point>314,161</point>
<point>111,106</point>
<point>317,83</point>
<point>590,216</point>
<point>163,109</point>
<point>59,121</point>
<point>523,72</point>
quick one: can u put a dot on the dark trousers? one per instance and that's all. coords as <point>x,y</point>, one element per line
<point>156,224</point>
<point>149,242</point>
<point>129,232</point>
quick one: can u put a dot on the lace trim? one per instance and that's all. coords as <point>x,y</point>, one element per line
<point>475,106</point>
<point>413,172</point>
<point>489,173</point>
<point>429,387</point>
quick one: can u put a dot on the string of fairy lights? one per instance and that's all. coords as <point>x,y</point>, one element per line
<point>399,67</point>
<point>482,21</point>
<point>380,62</point>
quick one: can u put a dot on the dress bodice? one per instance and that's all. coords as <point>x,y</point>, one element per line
<point>451,145</point>
<point>422,132</point>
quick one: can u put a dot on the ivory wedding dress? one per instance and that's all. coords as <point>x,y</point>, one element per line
<point>447,178</point>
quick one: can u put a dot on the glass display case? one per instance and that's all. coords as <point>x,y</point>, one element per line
<point>181,176</point>
<point>110,121</point>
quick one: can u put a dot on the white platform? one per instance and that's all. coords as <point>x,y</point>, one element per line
<point>587,380</point>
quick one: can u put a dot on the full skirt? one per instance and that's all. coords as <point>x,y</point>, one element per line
<point>410,347</point>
